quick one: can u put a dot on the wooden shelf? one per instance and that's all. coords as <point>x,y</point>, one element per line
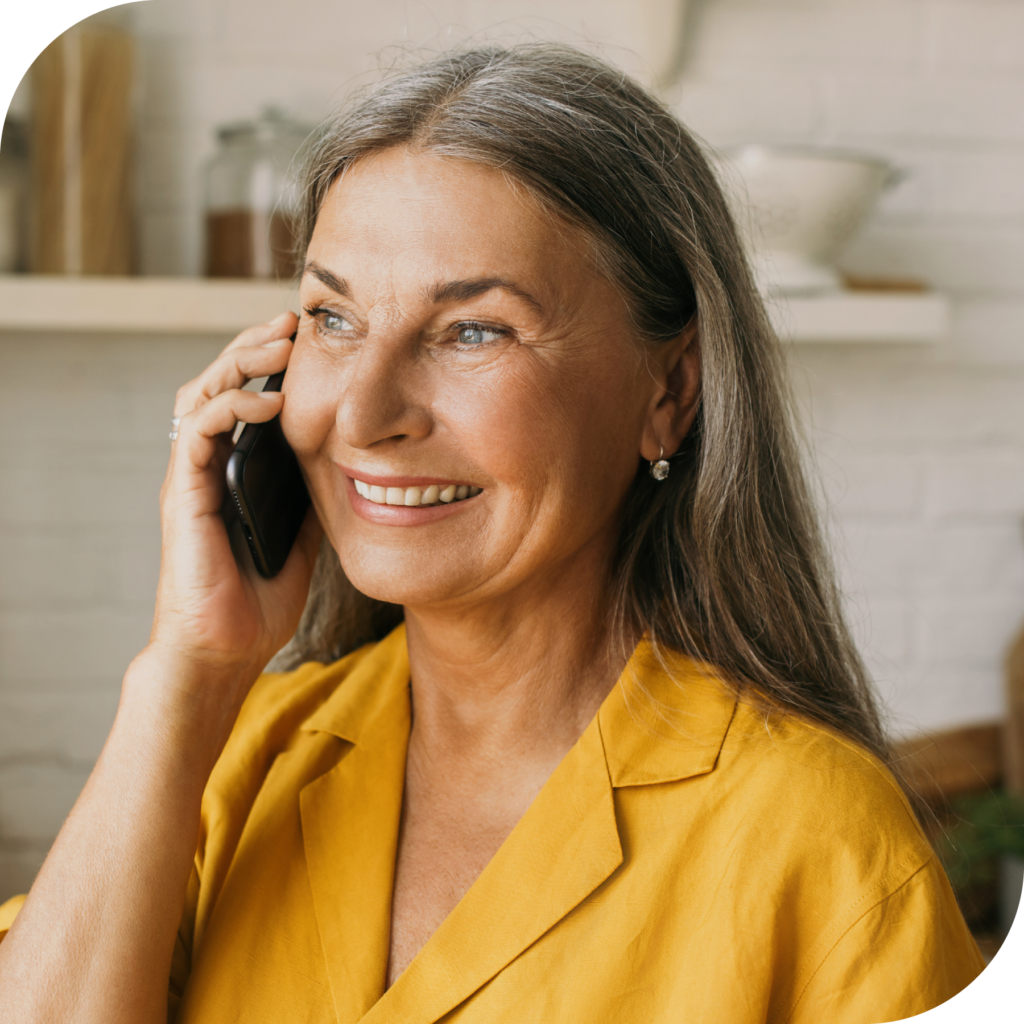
<point>178,305</point>
<point>141,305</point>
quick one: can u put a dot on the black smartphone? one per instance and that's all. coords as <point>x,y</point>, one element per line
<point>265,490</point>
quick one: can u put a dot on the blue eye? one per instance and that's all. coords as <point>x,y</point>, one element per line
<point>334,322</point>
<point>474,334</point>
<point>329,321</point>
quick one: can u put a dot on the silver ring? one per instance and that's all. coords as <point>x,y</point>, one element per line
<point>175,420</point>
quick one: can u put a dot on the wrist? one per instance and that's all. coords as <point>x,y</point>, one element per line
<point>192,702</point>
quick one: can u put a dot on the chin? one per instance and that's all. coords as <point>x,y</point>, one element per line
<point>402,581</point>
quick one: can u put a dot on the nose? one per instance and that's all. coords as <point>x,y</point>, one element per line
<point>383,398</point>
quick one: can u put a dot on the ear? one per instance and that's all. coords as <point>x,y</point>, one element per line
<point>676,368</point>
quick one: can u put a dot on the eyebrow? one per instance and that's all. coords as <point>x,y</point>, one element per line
<point>448,291</point>
<point>322,274</point>
<point>459,291</point>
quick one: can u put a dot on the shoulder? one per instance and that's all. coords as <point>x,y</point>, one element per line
<point>673,718</point>
<point>818,812</point>
<point>824,860</point>
<point>804,765</point>
<point>835,817</point>
<point>920,953</point>
<point>791,843</point>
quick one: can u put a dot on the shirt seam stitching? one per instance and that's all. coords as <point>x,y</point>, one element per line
<point>842,935</point>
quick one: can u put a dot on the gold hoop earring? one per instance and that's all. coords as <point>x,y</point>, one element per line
<point>659,469</point>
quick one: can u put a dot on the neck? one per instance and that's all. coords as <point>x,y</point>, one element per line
<point>519,677</point>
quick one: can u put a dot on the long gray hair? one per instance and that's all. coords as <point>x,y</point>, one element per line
<point>724,561</point>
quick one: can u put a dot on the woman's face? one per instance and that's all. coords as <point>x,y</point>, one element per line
<point>455,333</point>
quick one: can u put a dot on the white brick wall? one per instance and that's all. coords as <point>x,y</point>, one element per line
<point>921,455</point>
<point>84,423</point>
<point>921,450</point>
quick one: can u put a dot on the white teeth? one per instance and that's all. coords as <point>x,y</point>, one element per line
<point>414,496</point>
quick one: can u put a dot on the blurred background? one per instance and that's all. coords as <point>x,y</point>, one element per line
<point>875,153</point>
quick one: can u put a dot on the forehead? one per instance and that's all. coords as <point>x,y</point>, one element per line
<point>417,210</point>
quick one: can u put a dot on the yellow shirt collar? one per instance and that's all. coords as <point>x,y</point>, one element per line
<point>665,719</point>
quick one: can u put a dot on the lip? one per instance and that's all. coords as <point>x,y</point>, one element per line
<point>399,515</point>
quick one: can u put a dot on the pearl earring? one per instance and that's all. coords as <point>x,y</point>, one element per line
<point>659,469</point>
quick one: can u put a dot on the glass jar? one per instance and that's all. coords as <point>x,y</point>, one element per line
<point>251,199</point>
<point>14,182</point>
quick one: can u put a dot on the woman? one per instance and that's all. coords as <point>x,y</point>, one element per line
<point>573,729</point>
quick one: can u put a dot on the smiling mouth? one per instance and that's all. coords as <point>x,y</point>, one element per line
<point>413,497</point>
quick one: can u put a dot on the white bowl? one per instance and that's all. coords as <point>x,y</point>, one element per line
<point>798,206</point>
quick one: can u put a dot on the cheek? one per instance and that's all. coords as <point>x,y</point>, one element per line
<point>310,405</point>
<point>510,428</point>
<point>576,430</point>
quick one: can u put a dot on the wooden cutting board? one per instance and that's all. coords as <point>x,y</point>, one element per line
<point>82,154</point>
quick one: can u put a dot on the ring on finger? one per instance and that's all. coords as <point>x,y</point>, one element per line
<point>175,421</point>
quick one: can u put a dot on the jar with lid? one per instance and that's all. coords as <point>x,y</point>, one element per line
<point>251,200</point>
<point>14,184</point>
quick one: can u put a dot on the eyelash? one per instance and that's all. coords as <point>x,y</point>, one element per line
<point>318,312</point>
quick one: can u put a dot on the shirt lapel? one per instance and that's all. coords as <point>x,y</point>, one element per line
<point>350,822</point>
<point>563,848</point>
<point>663,721</point>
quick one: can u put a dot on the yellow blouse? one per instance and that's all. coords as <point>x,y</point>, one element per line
<point>691,859</point>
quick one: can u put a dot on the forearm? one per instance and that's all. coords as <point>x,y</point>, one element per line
<point>94,940</point>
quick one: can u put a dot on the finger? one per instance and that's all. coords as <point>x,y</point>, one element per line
<point>231,370</point>
<point>282,326</point>
<point>200,431</point>
<point>280,329</point>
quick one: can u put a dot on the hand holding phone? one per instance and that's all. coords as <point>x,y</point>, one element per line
<point>218,621</point>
